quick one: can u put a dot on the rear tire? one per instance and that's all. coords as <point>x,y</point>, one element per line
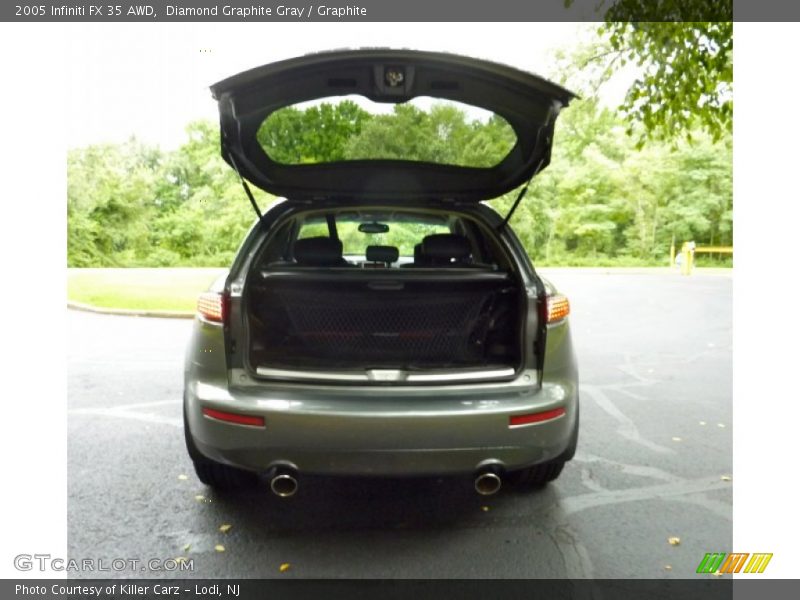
<point>222,477</point>
<point>538,475</point>
<point>213,474</point>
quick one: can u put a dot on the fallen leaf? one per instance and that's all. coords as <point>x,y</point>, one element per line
<point>187,547</point>
<point>219,548</point>
<point>182,477</point>
<point>668,567</point>
<point>674,541</point>
<point>285,567</point>
<point>726,478</point>
<point>225,528</point>
<point>721,425</point>
<point>677,439</point>
<point>702,422</point>
<point>199,497</point>
<point>485,508</point>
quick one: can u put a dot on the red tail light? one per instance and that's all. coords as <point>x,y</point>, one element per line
<point>237,418</point>
<point>557,308</point>
<point>517,420</point>
<point>213,306</point>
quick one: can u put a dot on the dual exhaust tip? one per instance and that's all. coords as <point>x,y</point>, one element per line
<point>488,482</point>
<point>283,482</point>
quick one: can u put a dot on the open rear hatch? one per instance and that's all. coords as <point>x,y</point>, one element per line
<point>526,102</point>
<point>396,325</point>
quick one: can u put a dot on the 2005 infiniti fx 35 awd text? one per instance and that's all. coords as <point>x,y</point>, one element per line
<point>379,318</point>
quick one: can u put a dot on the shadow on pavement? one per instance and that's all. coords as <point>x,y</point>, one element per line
<point>357,503</point>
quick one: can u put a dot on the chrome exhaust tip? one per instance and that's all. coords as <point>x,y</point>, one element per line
<point>283,484</point>
<point>488,483</point>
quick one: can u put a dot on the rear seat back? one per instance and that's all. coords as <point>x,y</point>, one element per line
<point>382,254</point>
<point>319,252</point>
<point>418,260</point>
<point>445,250</point>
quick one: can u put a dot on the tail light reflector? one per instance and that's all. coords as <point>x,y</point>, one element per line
<point>213,306</point>
<point>557,308</point>
<point>516,420</point>
<point>237,418</point>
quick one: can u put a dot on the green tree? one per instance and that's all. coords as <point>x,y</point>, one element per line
<point>110,189</point>
<point>408,133</point>
<point>684,53</point>
<point>687,76</point>
<point>601,198</point>
<point>318,133</point>
<point>443,134</point>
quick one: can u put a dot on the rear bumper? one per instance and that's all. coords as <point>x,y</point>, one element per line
<point>389,431</point>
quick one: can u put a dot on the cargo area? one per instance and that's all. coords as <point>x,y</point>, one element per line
<point>356,319</point>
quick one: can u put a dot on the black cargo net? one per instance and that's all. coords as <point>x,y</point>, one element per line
<point>349,324</point>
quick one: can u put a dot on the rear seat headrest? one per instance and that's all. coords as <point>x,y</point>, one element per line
<point>318,251</point>
<point>386,254</point>
<point>446,246</point>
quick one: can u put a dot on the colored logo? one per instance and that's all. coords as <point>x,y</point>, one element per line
<point>720,562</point>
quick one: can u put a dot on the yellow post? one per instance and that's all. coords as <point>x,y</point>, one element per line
<point>686,263</point>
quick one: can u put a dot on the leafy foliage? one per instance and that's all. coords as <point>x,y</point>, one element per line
<point>687,76</point>
<point>316,134</point>
<point>601,197</point>
<point>683,50</point>
<point>600,200</point>
<point>344,131</point>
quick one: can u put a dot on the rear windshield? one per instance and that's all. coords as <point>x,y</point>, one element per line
<point>347,128</point>
<point>403,231</point>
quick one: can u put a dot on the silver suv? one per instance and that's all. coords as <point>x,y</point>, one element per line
<point>380,319</point>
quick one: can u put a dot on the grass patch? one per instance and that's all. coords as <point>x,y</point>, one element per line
<point>140,289</point>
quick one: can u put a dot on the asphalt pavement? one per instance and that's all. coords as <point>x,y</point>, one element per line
<point>654,462</point>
